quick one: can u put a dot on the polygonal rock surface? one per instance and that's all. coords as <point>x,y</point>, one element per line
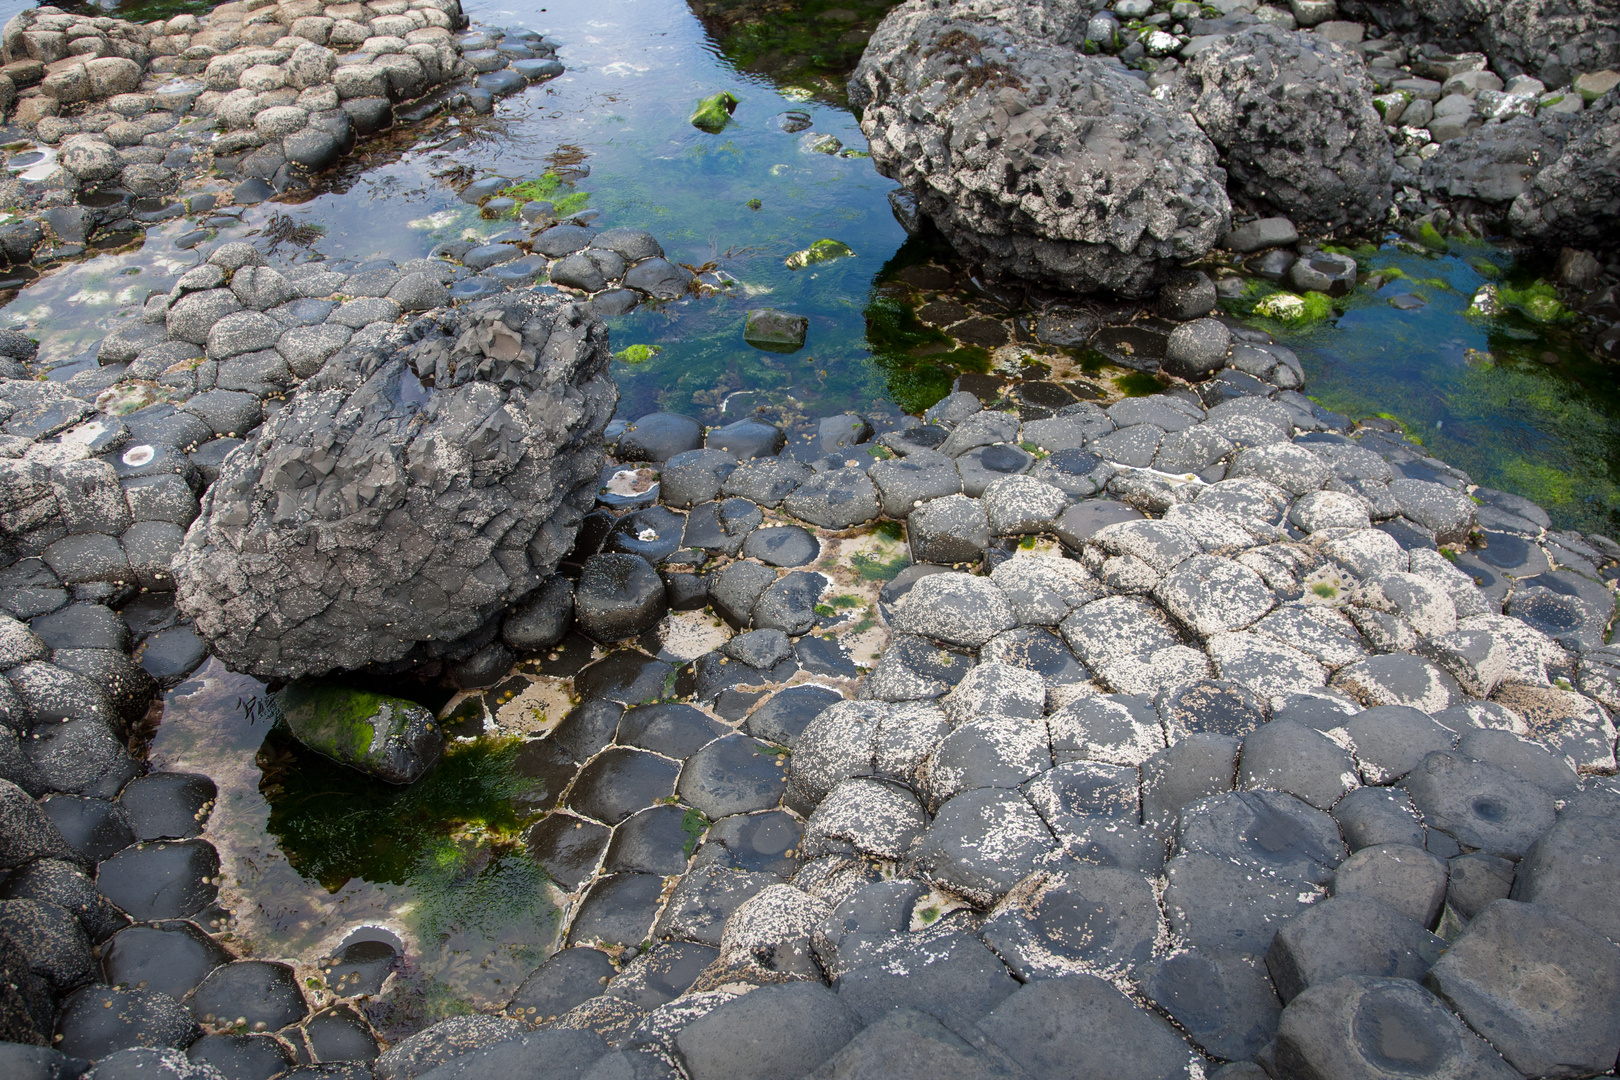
<point>1081,1026</point>
<point>1358,1027</point>
<point>981,844</point>
<point>1482,806</point>
<point>958,609</point>
<point>1082,918</point>
<point>1541,987</point>
<point>1349,934</point>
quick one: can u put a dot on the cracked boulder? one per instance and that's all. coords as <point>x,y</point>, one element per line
<point>1032,158</point>
<point>407,495</point>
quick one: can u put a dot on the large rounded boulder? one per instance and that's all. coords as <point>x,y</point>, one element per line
<point>1293,116</point>
<point>406,495</point>
<point>1033,159</point>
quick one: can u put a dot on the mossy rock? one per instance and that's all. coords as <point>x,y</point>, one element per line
<point>387,737</point>
<point>819,252</point>
<point>714,112</point>
<point>775,331</point>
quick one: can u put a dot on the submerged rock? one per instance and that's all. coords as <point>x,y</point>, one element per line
<point>406,495</point>
<point>386,737</point>
<point>714,112</point>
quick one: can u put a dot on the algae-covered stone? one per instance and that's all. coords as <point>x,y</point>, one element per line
<point>775,331</point>
<point>714,112</point>
<point>386,737</point>
<point>818,252</point>
<point>1281,305</point>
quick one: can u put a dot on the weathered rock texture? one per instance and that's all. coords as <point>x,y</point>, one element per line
<point>1577,197</point>
<point>1034,159</point>
<point>406,494</point>
<point>1293,116</point>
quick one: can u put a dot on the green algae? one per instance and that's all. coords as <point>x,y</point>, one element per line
<point>1513,400</point>
<point>819,252</point>
<point>713,113</point>
<point>808,49</point>
<point>1138,383</point>
<point>334,824</point>
<point>339,721</point>
<point>1538,301</point>
<point>638,354</point>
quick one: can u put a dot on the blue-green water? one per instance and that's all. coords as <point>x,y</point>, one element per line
<point>1518,404</point>
<point>739,201</point>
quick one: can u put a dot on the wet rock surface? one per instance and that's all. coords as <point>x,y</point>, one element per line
<point>1184,709</point>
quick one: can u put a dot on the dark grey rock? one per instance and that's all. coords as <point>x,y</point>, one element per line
<point>1222,999</point>
<point>1180,775</point>
<point>732,775</point>
<point>541,620</point>
<point>1081,917</point>
<point>836,499</point>
<point>1349,934</point>
<point>569,977</point>
<point>1276,152</point>
<point>1405,877</point>
<point>99,1020</point>
<point>766,482</point>
<point>1477,879</point>
<point>1272,833</point>
<point>242,1057</point>
<point>1186,295</point>
<point>1480,805</point>
<point>1567,1021</point>
<point>547,480</point>
<point>531,1056</point>
<point>164,880</point>
<point>724,526</point>
<point>775,1031</point>
<point>953,529</point>
<point>1358,1026</point>
<point>1324,272</point>
<point>956,852</point>
<point>1572,868</point>
<point>789,603</point>
<point>83,757</point>
<point>170,957</point>
<point>1197,348</point>
<point>984,465</point>
<point>168,805</point>
<point>745,439</point>
<point>953,977</point>
<point>1261,233</point>
<point>1081,1025</point>
<point>53,941</point>
<point>695,476</point>
<point>1215,902</point>
<point>1391,740</point>
<point>659,437</point>
<point>1046,239</point>
<point>658,278</point>
<point>786,545</point>
<point>260,990</point>
<point>92,828</point>
<point>737,587</point>
<point>619,596</point>
<point>908,1045</point>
